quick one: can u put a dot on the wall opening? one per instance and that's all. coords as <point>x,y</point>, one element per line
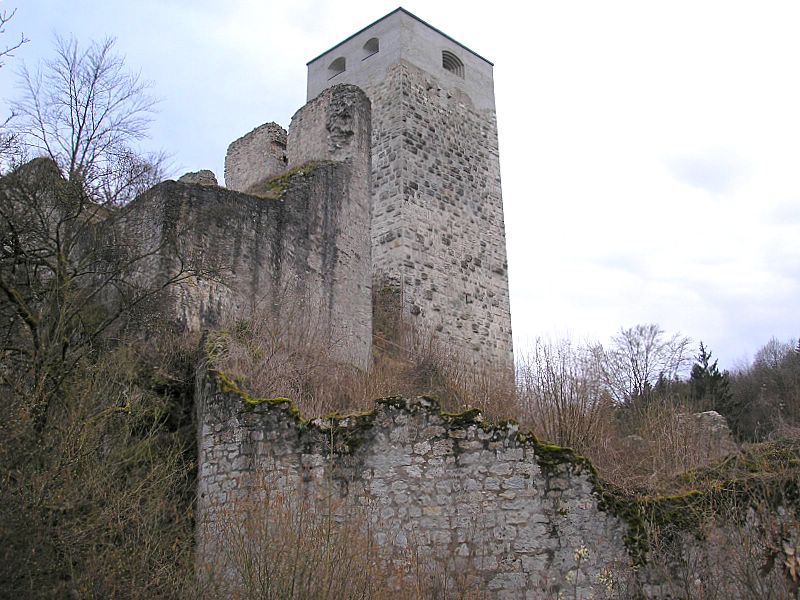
<point>336,67</point>
<point>371,47</point>
<point>452,63</point>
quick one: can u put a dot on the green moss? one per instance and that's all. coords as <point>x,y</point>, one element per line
<point>393,402</point>
<point>274,188</point>
<point>230,386</point>
<point>471,416</point>
<point>725,491</point>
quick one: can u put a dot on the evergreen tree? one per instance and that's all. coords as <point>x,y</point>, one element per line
<point>709,388</point>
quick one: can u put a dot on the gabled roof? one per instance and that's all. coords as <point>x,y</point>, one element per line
<point>402,10</point>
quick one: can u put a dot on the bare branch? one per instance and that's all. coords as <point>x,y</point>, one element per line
<point>5,17</point>
<point>639,357</point>
<point>85,111</point>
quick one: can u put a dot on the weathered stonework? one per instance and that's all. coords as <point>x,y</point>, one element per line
<point>299,238</point>
<point>438,235</point>
<point>514,517</point>
<point>497,504</point>
<point>713,439</point>
<point>435,215</point>
<point>203,177</point>
<point>437,226</point>
<point>255,157</point>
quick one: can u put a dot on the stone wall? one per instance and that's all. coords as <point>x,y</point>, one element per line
<point>485,504</point>
<point>255,157</point>
<point>402,36</point>
<point>520,518</point>
<point>437,226</point>
<point>438,237</point>
<point>304,239</point>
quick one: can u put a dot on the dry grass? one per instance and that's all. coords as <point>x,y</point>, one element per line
<point>748,551</point>
<point>558,395</point>
<point>280,354</point>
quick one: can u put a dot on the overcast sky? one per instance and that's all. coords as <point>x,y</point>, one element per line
<point>650,150</point>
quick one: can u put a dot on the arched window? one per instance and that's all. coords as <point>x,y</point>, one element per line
<point>452,63</point>
<point>371,47</point>
<point>336,67</point>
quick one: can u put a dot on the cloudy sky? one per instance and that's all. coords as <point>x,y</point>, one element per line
<point>650,149</point>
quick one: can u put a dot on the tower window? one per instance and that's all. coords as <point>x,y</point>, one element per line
<point>337,66</point>
<point>452,63</point>
<point>371,47</point>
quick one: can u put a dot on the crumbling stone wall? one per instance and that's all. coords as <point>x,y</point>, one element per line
<point>255,157</point>
<point>303,238</point>
<point>522,519</point>
<point>511,516</point>
<point>203,177</point>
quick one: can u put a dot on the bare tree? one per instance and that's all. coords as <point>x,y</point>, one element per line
<point>67,277</point>
<point>86,112</point>
<point>639,358</point>
<point>72,264</point>
<point>8,140</point>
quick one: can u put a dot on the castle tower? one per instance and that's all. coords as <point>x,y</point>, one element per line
<point>438,239</point>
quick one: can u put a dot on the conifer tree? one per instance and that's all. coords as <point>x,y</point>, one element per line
<point>709,388</point>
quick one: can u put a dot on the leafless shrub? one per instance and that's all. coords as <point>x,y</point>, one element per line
<point>289,350</point>
<point>98,503</point>
<point>744,549</point>
<point>638,358</point>
<point>86,112</point>
<point>282,542</point>
<point>561,395</point>
<point>279,543</point>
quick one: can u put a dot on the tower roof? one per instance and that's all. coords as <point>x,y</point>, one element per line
<point>400,9</point>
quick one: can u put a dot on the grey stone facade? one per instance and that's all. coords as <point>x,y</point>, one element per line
<point>437,227</point>
<point>300,238</point>
<point>204,177</point>
<point>511,516</point>
<point>255,157</point>
<point>520,519</point>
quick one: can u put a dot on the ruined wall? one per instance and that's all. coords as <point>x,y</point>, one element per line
<point>255,157</point>
<point>437,227</point>
<point>303,239</point>
<point>506,510</point>
<point>490,508</point>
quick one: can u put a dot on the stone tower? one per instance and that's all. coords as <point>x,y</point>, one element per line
<point>438,239</point>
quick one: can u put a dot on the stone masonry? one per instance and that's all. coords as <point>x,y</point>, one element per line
<point>255,157</point>
<point>499,512</point>
<point>438,235</point>
<point>496,505</point>
<point>299,238</point>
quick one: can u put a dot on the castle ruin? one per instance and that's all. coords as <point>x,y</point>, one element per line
<point>387,181</point>
<point>298,241</point>
<point>437,232</point>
